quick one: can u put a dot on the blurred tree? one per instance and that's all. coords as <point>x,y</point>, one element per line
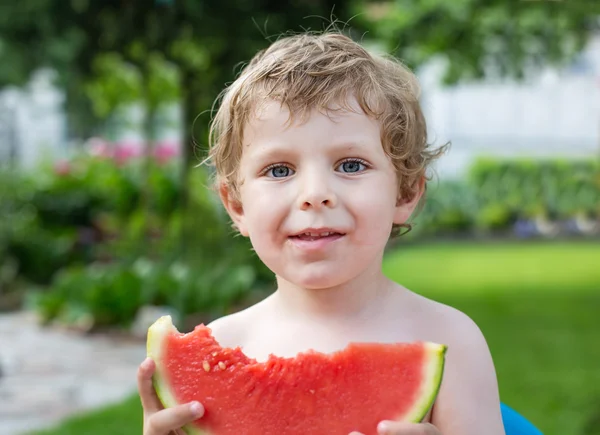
<point>481,38</point>
<point>114,85</point>
<point>205,40</point>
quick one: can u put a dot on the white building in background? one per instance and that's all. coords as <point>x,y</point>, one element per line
<point>554,113</point>
<point>32,122</point>
<point>551,114</point>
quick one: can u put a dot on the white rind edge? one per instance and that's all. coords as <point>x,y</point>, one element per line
<point>433,372</point>
<point>156,334</point>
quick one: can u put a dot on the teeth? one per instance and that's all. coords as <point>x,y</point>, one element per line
<point>325,234</point>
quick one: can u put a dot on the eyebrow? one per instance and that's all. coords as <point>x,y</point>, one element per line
<point>353,144</point>
<point>274,146</point>
<point>270,151</point>
<point>279,150</point>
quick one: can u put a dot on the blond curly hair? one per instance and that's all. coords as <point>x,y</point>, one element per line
<point>321,71</point>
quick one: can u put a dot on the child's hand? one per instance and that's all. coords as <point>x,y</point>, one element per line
<point>397,428</point>
<point>157,420</point>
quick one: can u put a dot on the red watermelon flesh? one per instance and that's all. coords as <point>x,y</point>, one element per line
<point>313,393</point>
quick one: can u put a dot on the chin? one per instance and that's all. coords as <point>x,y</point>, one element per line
<point>316,279</point>
<point>317,284</point>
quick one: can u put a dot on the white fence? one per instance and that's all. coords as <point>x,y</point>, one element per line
<point>554,113</point>
<point>32,123</point>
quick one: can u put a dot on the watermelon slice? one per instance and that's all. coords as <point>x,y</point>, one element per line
<point>312,393</point>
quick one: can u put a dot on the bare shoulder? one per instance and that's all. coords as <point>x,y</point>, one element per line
<point>456,327</point>
<point>442,323</point>
<point>227,330</point>
<point>468,401</point>
<point>233,330</point>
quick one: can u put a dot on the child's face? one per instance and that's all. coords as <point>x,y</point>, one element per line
<point>327,175</point>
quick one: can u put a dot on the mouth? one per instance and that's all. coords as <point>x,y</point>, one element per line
<point>312,235</point>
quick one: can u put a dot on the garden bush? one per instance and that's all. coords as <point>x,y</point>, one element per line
<point>501,196</point>
<point>104,236</point>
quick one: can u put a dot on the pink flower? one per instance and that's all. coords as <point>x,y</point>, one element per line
<point>98,147</point>
<point>125,151</point>
<point>165,151</point>
<point>62,168</point>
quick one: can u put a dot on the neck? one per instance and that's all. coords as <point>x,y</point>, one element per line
<point>357,299</point>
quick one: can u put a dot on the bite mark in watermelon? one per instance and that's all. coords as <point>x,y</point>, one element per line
<point>313,393</point>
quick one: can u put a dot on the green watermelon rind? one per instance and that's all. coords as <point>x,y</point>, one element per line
<point>156,333</point>
<point>429,390</point>
<point>434,372</point>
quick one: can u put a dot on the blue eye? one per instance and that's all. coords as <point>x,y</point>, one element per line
<point>279,171</point>
<point>352,166</point>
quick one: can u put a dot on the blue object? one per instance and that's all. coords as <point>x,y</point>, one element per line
<point>516,424</point>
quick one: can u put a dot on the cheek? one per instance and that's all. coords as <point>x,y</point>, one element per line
<point>263,218</point>
<point>374,208</point>
<point>262,211</point>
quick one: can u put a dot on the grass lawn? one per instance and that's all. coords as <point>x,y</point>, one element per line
<point>538,305</point>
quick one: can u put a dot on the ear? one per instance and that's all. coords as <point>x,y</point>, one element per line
<point>234,208</point>
<point>404,208</point>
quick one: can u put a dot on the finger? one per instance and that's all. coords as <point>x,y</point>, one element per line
<point>401,428</point>
<point>174,418</point>
<point>148,396</point>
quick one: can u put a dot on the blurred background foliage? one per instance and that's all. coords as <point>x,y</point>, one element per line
<point>100,237</point>
<point>102,48</point>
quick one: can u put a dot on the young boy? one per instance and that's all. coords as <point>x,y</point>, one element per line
<point>320,151</point>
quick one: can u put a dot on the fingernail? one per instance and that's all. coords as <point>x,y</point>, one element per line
<point>196,408</point>
<point>383,427</point>
<point>146,363</point>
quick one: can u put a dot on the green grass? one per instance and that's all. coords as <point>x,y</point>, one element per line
<point>120,419</point>
<point>538,305</point>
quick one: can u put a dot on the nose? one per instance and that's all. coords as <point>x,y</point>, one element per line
<point>316,192</point>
